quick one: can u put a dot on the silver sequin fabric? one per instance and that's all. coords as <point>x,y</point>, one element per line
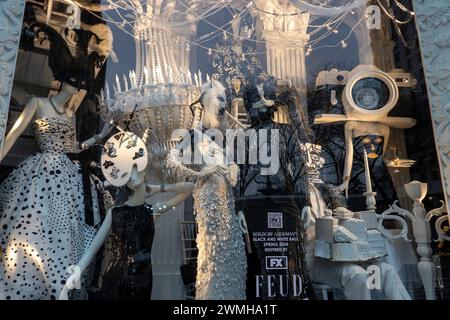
<point>221,262</point>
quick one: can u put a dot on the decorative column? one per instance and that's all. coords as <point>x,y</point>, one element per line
<point>286,57</point>
<point>433,23</point>
<point>420,221</point>
<point>422,236</point>
<point>11,15</point>
<point>284,29</point>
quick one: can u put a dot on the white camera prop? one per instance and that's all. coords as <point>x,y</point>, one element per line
<point>369,95</point>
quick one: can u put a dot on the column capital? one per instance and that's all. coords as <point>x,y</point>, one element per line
<point>285,39</point>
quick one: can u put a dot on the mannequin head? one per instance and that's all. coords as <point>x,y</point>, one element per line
<point>121,154</point>
<point>214,103</point>
<point>373,144</point>
<point>137,179</point>
<point>252,94</point>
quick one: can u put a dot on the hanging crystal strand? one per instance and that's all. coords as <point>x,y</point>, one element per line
<point>145,54</point>
<point>157,52</point>
<point>164,66</point>
<point>171,60</point>
<point>149,55</point>
<point>162,62</point>
<point>139,54</point>
<point>157,55</point>
<point>150,9</point>
<point>189,76</point>
<point>153,46</point>
<point>165,49</point>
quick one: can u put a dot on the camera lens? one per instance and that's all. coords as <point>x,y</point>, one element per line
<point>370,93</point>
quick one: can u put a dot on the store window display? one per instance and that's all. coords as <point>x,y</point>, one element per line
<point>264,64</point>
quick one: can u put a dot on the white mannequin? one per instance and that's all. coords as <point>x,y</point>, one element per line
<point>38,108</point>
<point>140,195</point>
<point>221,265</point>
<point>43,112</point>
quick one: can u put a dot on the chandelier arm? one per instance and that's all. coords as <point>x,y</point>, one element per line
<point>327,11</point>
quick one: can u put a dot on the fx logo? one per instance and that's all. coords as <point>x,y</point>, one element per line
<point>276,262</point>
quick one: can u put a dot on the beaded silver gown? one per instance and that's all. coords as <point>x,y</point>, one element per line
<point>221,261</point>
<point>43,229</point>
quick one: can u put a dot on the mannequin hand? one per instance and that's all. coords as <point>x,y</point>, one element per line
<point>223,170</point>
<point>106,130</point>
<point>306,216</point>
<point>74,281</point>
<point>399,163</point>
<point>206,171</point>
<point>344,187</point>
<point>153,189</point>
<point>156,216</point>
<point>242,222</point>
<point>233,172</point>
<point>268,103</point>
<point>214,169</point>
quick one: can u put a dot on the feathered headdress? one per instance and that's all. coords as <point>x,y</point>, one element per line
<point>252,95</point>
<point>77,70</point>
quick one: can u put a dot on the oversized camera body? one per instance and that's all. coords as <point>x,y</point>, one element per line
<point>368,94</point>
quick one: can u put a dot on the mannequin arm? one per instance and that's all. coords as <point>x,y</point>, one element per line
<point>107,127</point>
<point>21,124</point>
<point>97,243</point>
<point>244,229</point>
<point>348,157</point>
<point>77,270</point>
<point>385,133</point>
<point>178,169</point>
<point>175,187</point>
<point>182,189</point>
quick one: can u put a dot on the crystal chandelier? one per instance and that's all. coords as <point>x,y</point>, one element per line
<point>158,93</point>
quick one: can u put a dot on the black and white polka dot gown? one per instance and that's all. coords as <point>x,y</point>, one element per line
<point>42,228</point>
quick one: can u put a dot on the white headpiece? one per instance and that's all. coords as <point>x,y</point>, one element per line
<point>120,153</point>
